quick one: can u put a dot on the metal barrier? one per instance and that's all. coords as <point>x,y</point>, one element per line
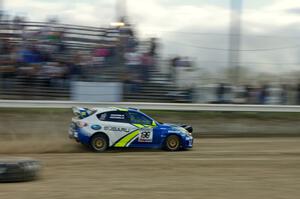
<point>152,106</point>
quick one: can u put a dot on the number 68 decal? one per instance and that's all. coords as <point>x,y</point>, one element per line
<point>146,135</point>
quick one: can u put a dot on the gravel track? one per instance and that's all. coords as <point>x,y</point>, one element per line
<point>230,168</point>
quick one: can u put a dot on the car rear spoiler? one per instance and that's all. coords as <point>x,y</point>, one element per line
<point>82,113</point>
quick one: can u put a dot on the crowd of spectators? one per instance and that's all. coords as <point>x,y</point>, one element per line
<point>265,94</point>
<point>183,74</point>
<point>44,55</point>
<point>139,60</point>
<point>35,55</point>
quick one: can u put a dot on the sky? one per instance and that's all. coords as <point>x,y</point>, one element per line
<point>195,28</point>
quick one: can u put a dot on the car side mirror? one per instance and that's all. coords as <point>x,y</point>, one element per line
<point>154,123</point>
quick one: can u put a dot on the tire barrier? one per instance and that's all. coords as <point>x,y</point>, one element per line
<point>19,170</point>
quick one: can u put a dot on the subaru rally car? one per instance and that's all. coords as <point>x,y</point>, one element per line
<point>102,128</point>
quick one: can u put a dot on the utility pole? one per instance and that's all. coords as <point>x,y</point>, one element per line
<point>121,10</point>
<point>1,9</point>
<point>1,16</point>
<point>121,21</point>
<point>235,42</point>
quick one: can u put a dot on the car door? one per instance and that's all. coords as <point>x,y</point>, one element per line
<point>148,135</point>
<point>117,127</point>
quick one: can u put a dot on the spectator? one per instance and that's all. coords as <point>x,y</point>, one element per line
<point>253,95</point>
<point>61,45</point>
<point>153,47</point>
<point>131,43</point>
<point>264,94</point>
<point>74,70</point>
<point>18,25</point>
<point>298,94</point>
<point>284,94</point>
<point>248,94</point>
<point>5,47</point>
<point>133,61</point>
<point>173,68</point>
<point>147,63</point>
<point>7,68</point>
<point>100,56</point>
<point>221,91</point>
<point>53,73</point>
<point>132,83</point>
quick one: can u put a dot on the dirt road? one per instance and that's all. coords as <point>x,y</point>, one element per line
<point>216,168</point>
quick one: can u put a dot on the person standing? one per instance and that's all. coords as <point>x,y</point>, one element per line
<point>221,93</point>
<point>298,94</point>
<point>146,61</point>
<point>174,63</point>
<point>284,94</point>
<point>133,61</point>
<point>264,94</point>
<point>133,64</point>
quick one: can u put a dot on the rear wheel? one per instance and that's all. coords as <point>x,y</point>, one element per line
<point>172,143</point>
<point>99,143</point>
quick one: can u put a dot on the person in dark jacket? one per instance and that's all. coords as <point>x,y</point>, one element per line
<point>264,94</point>
<point>221,93</point>
<point>298,94</point>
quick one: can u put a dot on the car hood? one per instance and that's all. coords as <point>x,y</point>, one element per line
<point>185,126</point>
<point>171,125</point>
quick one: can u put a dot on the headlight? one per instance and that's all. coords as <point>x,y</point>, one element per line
<point>75,134</point>
<point>81,124</point>
<point>183,130</point>
<point>186,131</point>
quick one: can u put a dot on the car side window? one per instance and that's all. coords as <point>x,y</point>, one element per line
<point>138,118</point>
<point>114,116</point>
<point>102,116</point>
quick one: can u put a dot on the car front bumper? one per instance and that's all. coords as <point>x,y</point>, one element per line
<point>73,134</point>
<point>188,142</point>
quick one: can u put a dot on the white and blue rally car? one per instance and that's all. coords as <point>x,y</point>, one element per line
<point>102,128</point>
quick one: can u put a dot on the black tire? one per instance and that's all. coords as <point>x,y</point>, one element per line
<point>18,170</point>
<point>99,143</point>
<point>172,143</point>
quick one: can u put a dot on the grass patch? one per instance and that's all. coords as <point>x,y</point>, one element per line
<point>165,114</point>
<point>226,115</point>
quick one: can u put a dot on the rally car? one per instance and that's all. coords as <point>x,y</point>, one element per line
<point>103,128</point>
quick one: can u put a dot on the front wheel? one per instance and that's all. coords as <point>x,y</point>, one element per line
<point>99,143</point>
<point>172,143</point>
